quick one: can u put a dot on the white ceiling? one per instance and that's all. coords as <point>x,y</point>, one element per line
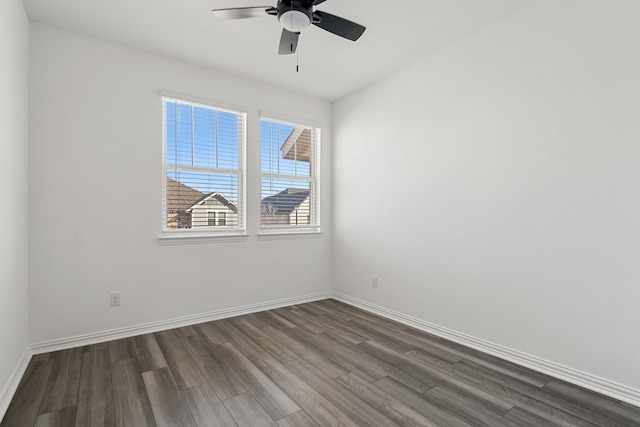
<point>398,33</point>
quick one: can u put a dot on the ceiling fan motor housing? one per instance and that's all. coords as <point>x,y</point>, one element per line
<point>295,15</point>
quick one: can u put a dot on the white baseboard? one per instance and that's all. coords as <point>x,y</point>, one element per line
<point>583,379</point>
<point>10,388</point>
<point>130,331</point>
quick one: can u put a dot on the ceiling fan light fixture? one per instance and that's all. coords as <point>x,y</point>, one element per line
<point>294,20</point>
<point>294,16</point>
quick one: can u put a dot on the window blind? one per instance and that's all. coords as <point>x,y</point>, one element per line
<point>204,167</point>
<point>290,171</point>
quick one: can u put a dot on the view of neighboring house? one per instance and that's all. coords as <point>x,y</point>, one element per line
<point>214,210</point>
<point>288,207</point>
<point>298,145</point>
<point>180,198</point>
<point>188,208</point>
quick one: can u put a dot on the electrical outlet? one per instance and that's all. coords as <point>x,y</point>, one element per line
<point>114,298</point>
<point>374,281</point>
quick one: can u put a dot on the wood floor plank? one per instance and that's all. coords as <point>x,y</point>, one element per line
<point>526,398</point>
<point>64,380</point>
<point>420,403</point>
<point>346,355</point>
<point>311,319</point>
<point>275,320</point>
<point>209,360</point>
<point>465,408</point>
<point>247,412</point>
<point>404,341</point>
<point>383,402</point>
<point>183,368</point>
<point>206,408</point>
<point>24,406</point>
<point>341,330</point>
<point>314,308</point>
<point>131,403</point>
<point>525,374</point>
<point>186,331</point>
<point>242,342</point>
<point>41,356</point>
<point>61,418</point>
<point>148,353</point>
<point>388,337</point>
<point>333,313</point>
<point>186,372</point>
<point>212,334</point>
<point>360,361</point>
<point>299,419</point>
<point>168,405</point>
<point>95,347</point>
<point>593,400</point>
<point>359,314</point>
<point>524,390</point>
<point>265,341</point>
<point>313,403</point>
<point>528,419</point>
<point>509,369</point>
<point>95,400</point>
<point>271,398</point>
<point>348,403</point>
<point>400,367</point>
<point>170,345</point>
<point>445,375</point>
<point>317,359</point>
<point>256,320</point>
<point>121,349</point>
<point>299,320</point>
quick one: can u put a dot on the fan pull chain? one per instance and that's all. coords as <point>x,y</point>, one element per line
<point>297,69</point>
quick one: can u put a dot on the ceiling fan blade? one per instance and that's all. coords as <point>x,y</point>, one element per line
<point>242,12</point>
<point>338,26</point>
<point>317,2</point>
<point>288,42</point>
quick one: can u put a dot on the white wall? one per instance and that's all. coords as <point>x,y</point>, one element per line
<point>96,180</point>
<point>514,156</point>
<point>14,72</point>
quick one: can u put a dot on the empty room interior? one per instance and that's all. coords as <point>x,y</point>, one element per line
<point>328,213</point>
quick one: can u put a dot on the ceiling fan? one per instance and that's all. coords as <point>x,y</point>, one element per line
<point>295,16</point>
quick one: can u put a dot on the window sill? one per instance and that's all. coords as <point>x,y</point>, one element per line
<point>191,238</point>
<point>286,235</point>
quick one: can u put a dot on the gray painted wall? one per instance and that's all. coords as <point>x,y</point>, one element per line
<point>14,78</point>
<point>514,156</point>
<point>97,215</point>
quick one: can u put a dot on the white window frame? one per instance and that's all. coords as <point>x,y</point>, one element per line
<point>314,228</point>
<point>213,233</point>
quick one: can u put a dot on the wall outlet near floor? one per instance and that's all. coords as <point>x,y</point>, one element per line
<point>374,281</point>
<point>114,299</point>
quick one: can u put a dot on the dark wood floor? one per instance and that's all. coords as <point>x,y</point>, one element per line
<point>317,364</point>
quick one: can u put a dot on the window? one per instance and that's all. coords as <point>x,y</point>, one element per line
<point>204,167</point>
<point>289,176</point>
<point>220,216</point>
